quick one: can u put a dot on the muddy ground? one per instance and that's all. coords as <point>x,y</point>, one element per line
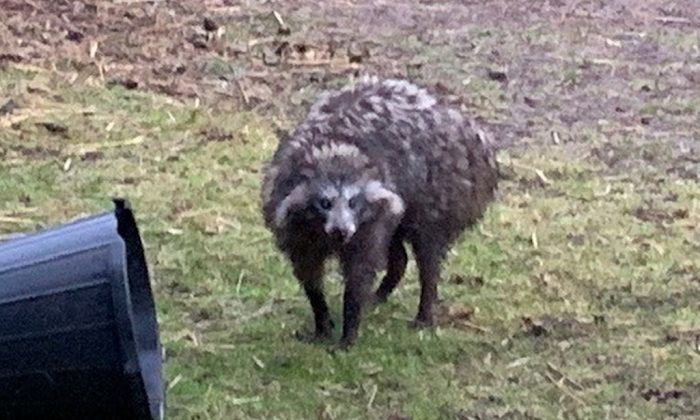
<point>527,67</point>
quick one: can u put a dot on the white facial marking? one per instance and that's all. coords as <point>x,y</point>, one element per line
<point>350,191</point>
<point>342,218</point>
<point>375,191</point>
<point>330,193</point>
<point>295,197</point>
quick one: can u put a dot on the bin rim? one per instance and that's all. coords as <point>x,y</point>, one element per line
<point>143,328</point>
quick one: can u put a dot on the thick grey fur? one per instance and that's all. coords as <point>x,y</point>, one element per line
<point>422,173</point>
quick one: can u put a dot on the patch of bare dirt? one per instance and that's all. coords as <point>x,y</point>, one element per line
<point>556,64</point>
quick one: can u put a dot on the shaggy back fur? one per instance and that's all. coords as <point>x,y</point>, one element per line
<point>382,157</point>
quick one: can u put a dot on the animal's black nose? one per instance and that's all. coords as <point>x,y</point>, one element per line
<point>339,234</point>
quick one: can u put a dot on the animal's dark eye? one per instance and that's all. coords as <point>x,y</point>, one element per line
<point>352,203</point>
<point>325,203</point>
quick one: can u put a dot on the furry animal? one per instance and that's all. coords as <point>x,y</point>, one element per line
<point>375,165</point>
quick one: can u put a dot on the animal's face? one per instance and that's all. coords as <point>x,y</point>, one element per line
<point>341,207</point>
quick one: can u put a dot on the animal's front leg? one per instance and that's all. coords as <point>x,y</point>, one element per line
<point>309,272</point>
<point>358,283</point>
<point>360,261</point>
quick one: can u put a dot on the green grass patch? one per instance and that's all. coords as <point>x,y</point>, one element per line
<point>577,296</point>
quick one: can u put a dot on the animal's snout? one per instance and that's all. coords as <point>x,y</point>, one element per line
<point>340,224</point>
<point>340,233</point>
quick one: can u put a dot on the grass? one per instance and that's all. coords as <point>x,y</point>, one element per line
<point>577,297</point>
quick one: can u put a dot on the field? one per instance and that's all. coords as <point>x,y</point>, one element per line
<point>577,297</point>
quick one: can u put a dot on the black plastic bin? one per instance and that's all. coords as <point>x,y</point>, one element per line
<point>78,329</point>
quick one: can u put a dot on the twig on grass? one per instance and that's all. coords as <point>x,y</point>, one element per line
<point>566,391</point>
<point>562,376</point>
<point>93,147</point>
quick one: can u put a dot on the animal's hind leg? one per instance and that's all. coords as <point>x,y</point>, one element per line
<point>396,267</point>
<point>428,259</point>
<point>310,275</point>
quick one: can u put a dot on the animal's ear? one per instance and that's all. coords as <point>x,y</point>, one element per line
<point>298,196</point>
<point>375,191</point>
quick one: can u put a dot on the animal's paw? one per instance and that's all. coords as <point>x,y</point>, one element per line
<point>421,323</point>
<point>376,299</point>
<point>308,336</point>
<point>341,347</point>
